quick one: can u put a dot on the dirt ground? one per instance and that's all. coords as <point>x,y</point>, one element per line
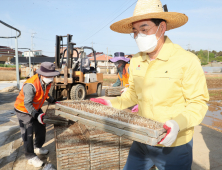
<point>214,82</point>
<point>108,80</point>
<point>7,68</point>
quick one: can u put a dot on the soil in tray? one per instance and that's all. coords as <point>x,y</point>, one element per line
<point>69,136</point>
<point>110,112</point>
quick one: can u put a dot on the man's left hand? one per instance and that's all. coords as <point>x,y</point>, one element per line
<point>40,118</point>
<point>172,128</point>
<point>55,102</point>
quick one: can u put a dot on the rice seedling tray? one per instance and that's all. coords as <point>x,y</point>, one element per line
<point>110,129</point>
<point>111,117</point>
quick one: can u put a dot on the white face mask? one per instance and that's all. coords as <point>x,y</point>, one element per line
<point>147,43</point>
<point>47,80</point>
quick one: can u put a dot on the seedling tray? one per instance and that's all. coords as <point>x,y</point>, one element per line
<point>154,129</point>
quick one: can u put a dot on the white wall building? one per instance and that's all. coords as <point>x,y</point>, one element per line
<point>32,54</point>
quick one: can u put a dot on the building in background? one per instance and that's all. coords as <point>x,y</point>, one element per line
<point>6,54</point>
<point>33,54</point>
<point>103,65</point>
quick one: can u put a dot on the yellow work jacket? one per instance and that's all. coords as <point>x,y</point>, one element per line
<point>173,86</point>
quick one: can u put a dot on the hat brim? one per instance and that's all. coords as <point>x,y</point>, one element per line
<point>48,74</point>
<point>173,19</point>
<point>115,59</point>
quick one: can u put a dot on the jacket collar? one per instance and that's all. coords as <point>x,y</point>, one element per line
<point>166,50</point>
<point>164,53</point>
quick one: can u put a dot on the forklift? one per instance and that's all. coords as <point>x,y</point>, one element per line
<point>73,83</point>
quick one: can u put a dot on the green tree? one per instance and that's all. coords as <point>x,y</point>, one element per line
<point>211,57</point>
<point>202,55</point>
<point>219,59</point>
<point>219,53</point>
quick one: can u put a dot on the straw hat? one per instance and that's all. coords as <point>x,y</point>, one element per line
<point>150,9</point>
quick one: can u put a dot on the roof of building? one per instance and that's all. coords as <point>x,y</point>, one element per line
<point>34,60</point>
<point>97,53</point>
<point>33,50</point>
<point>4,50</point>
<point>100,58</point>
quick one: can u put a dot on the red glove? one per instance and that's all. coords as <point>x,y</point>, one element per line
<point>135,108</point>
<point>101,101</point>
<point>40,118</point>
<point>172,128</point>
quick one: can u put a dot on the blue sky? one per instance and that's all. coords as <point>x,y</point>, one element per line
<point>84,18</point>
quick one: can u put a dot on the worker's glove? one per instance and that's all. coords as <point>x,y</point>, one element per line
<point>40,118</point>
<point>172,128</point>
<point>54,101</point>
<point>101,101</point>
<point>135,108</point>
<point>123,90</point>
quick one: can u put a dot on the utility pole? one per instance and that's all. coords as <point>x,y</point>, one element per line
<point>188,47</point>
<point>92,43</point>
<point>107,61</point>
<point>29,65</point>
<point>17,61</point>
<point>208,57</point>
<point>32,42</point>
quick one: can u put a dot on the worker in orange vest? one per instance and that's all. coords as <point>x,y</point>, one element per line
<point>30,115</point>
<point>122,69</point>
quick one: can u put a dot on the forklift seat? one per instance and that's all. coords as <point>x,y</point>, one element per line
<point>92,70</point>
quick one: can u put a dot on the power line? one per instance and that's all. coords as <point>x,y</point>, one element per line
<point>109,22</point>
<point>114,12</point>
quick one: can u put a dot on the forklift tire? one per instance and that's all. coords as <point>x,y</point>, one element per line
<point>99,90</point>
<point>78,92</point>
<point>52,93</point>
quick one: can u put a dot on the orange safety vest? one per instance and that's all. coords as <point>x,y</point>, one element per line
<point>39,98</point>
<point>125,78</point>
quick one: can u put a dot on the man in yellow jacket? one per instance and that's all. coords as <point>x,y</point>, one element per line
<point>168,84</point>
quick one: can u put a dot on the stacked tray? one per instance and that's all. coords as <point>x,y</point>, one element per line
<point>104,148</point>
<point>114,91</point>
<point>72,148</point>
<point>125,145</point>
<point>112,120</point>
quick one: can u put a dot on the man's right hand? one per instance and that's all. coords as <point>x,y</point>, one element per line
<point>40,118</point>
<point>101,101</point>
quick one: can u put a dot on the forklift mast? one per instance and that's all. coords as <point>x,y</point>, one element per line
<point>59,56</point>
<point>71,82</point>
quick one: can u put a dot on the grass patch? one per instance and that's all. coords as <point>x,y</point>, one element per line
<point>9,66</point>
<point>213,93</point>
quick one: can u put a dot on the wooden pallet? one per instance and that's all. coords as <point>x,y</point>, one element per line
<point>82,147</point>
<point>114,91</point>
